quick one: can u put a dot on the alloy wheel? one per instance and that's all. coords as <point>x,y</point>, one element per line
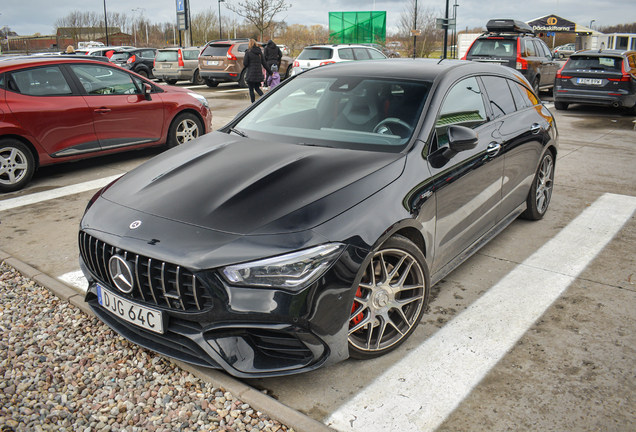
<point>544,184</point>
<point>14,165</point>
<point>187,130</point>
<point>388,301</point>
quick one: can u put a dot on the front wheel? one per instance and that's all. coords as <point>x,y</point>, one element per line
<point>541,189</point>
<point>561,106</point>
<point>185,127</point>
<point>16,165</point>
<point>390,299</point>
<point>535,86</point>
<point>289,71</point>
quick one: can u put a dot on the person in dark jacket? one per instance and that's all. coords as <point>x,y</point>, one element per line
<point>254,62</point>
<point>273,55</point>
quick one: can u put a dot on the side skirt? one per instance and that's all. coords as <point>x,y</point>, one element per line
<point>478,244</point>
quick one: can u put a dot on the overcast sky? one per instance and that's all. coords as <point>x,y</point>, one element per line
<point>38,16</point>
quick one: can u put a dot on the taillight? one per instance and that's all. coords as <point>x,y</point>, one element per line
<point>296,63</point>
<point>229,53</point>
<point>522,64</point>
<point>180,58</point>
<point>327,62</point>
<point>558,74</point>
<point>131,59</point>
<point>469,48</point>
<point>626,76</point>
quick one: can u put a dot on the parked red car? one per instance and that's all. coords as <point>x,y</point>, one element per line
<point>62,109</point>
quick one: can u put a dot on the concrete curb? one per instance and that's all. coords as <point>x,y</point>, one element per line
<point>257,400</point>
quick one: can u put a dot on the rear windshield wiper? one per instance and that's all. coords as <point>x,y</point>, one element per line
<point>238,132</point>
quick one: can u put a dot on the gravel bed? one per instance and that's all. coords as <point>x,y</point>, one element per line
<point>62,370</point>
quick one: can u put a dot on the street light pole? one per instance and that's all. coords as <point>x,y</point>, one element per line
<point>220,29</point>
<point>593,21</point>
<point>106,23</point>
<point>134,27</point>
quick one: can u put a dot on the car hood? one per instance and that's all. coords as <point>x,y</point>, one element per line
<point>246,186</point>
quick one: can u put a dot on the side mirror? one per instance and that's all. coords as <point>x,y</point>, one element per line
<point>460,138</point>
<point>147,89</point>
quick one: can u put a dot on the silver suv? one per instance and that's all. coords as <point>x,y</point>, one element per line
<point>174,64</point>
<point>318,55</point>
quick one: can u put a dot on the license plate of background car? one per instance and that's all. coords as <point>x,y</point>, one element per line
<point>213,63</point>
<point>589,81</point>
<point>141,316</point>
<point>166,65</point>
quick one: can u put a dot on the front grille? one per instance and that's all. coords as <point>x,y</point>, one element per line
<point>157,282</point>
<point>280,344</point>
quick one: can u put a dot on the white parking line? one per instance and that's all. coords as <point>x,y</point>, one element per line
<point>420,391</point>
<point>56,193</point>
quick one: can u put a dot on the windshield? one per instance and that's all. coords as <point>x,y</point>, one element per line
<point>594,63</point>
<point>494,47</point>
<point>315,54</point>
<point>341,112</point>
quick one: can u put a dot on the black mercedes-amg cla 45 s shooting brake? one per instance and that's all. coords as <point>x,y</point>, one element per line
<point>311,227</point>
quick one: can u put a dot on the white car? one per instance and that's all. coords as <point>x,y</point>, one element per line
<point>318,55</point>
<point>101,51</point>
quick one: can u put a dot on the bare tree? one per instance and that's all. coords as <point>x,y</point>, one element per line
<point>430,37</point>
<point>259,12</point>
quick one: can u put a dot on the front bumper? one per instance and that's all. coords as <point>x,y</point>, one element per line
<point>248,332</point>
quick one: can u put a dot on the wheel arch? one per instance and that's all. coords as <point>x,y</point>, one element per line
<point>187,110</point>
<point>26,142</point>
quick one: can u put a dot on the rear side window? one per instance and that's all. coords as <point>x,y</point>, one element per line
<point>44,81</point>
<point>242,48</point>
<point>530,51</point>
<point>120,56</point>
<point>167,56</point>
<point>216,50</point>
<point>499,96</point>
<point>594,63</point>
<point>190,54</point>
<point>148,54</point>
<point>494,47</point>
<point>316,54</point>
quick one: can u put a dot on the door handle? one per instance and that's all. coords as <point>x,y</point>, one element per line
<point>493,149</point>
<point>102,110</point>
<point>535,128</point>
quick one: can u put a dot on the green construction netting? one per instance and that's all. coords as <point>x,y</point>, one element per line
<point>357,27</point>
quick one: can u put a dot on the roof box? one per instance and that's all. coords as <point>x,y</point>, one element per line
<point>508,26</point>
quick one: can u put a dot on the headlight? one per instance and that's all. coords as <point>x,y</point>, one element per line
<point>291,271</point>
<point>200,98</point>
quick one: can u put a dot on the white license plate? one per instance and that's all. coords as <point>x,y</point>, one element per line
<point>213,63</point>
<point>142,316</point>
<point>166,65</point>
<point>589,81</point>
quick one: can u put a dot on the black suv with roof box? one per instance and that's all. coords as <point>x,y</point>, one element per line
<point>512,43</point>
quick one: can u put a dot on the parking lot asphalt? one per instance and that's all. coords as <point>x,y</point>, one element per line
<point>570,369</point>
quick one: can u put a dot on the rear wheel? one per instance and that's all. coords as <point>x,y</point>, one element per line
<point>390,300</point>
<point>535,86</point>
<point>143,73</point>
<point>196,78</point>
<point>541,190</point>
<point>185,127</point>
<point>211,83</point>
<point>171,81</point>
<point>561,105</point>
<point>241,82</point>
<point>289,71</point>
<point>16,165</point>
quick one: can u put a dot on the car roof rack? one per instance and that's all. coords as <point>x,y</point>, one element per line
<point>228,40</point>
<point>508,26</point>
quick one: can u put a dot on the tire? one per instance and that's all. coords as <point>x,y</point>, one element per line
<point>143,73</point>
<point>541,189</point>
<point>561,106</point>
<point>17,165</point>
<point>385,313</point>
<point>241,82</point>
<point>535,86</point>
<point>288,71</point>
<point>171,81</point>
<point>196,78</point>
<point>185,127</point>
<point>211,83</point>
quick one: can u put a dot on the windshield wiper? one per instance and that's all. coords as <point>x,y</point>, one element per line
<point>238,132</point>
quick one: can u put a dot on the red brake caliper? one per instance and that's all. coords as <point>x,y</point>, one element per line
<point>356,319</point>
